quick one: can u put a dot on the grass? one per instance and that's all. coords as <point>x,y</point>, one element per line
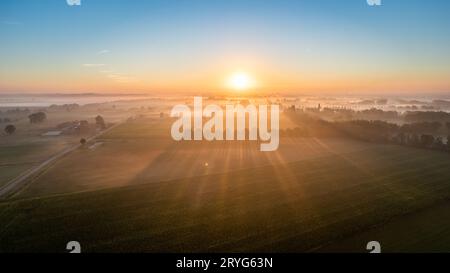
<point>140,191</point>
<point>26,148</point>
<point>428,230</point>
<point>294,206</point>
<point>123,162</point>
<point>21,155</point>
<point>143,128</point>
<point>9,172</point>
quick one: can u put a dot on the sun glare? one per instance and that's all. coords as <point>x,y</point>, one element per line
<point>240,81</point>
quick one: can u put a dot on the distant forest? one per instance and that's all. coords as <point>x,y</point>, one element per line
<point>423,134</point>
<point>337,114</point>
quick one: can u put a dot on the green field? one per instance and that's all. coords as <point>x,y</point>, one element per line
<point>139,191</point>
<point>301,204</point>
<point>20,154</point>
<point>27,147</point>
<point>142,152</point>
<point>427,230</point>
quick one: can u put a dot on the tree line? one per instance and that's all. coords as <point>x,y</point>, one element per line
<point>40,117</point>
<point>420,134</point>
<point>329,113</point>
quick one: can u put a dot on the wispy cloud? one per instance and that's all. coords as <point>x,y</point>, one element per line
<point>93,65</point>
<point>106,71</point>
<point>103,52</point>
<point>120,78</point>
<point>111,73</point>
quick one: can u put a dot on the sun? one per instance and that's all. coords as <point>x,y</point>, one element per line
<point>240,81</point>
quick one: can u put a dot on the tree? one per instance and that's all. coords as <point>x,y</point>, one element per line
<point>402,138</point>
<point>421,127</point>
<point>426,140</point>
<point>414,140</point>
<point>37,117</point>
<point>10,129</point>
<point>83,141</point>
<point>100,122</point>
<point>439,143</point>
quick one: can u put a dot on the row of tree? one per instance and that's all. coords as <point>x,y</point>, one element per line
<point>338,113</point>
<point>16,111</point>
<point>41,117</point>
<point>425,141</point>
<point>421,134</point>
<point>38,117</point>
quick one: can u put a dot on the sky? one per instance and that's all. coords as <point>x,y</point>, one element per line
<point>177,46</point>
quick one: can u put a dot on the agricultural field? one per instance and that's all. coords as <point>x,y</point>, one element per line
<point>424,231</point>
<point>138,191</point>
<point>19,154</point>
<point>142,151</point>
<point>29,145</point>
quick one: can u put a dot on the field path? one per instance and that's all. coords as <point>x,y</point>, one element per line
<point>13,185</point>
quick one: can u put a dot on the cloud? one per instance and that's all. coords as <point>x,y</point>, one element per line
<point>110,73</point>
<point>104,51</point>
<point>120,78</point>
<point>93,65</point>
<point>106,71</point>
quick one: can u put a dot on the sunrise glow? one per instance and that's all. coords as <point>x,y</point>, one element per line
<point>240,81</point>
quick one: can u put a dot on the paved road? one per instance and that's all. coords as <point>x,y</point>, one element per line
<point>13,185</point>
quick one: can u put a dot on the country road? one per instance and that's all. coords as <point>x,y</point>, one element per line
<point>13,185</point>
